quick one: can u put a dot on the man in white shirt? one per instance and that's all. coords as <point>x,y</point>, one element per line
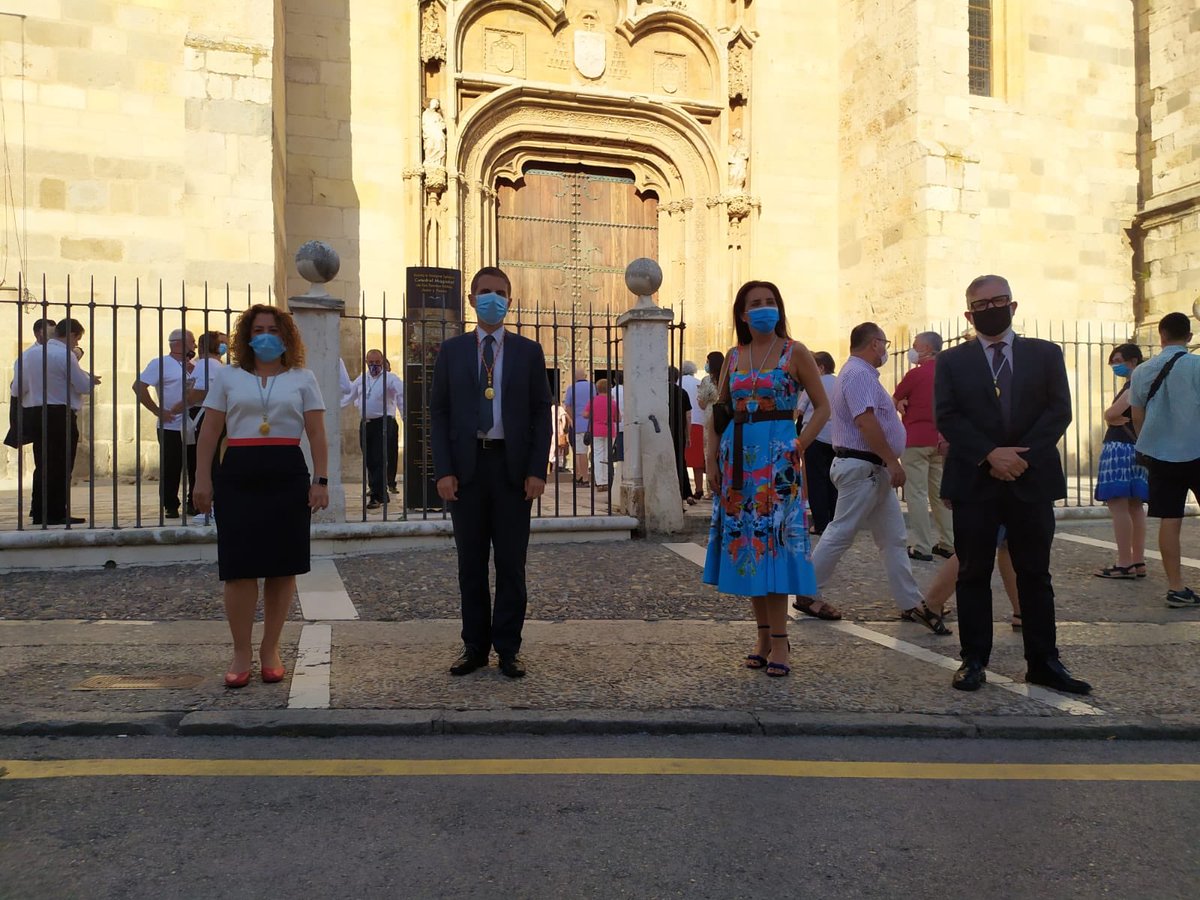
<point>378,395</point>
<point>20,434</point>
<point>172,377</point>
<point>52,386</point>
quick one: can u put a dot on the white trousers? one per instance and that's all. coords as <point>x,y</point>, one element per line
<point>866,500</point>
<point>922,487</point>
<point>600,447</point>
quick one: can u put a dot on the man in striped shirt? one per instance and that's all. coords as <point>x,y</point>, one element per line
<point>868,439</point>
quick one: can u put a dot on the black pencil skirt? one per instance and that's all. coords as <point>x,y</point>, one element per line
<point>261,502</point>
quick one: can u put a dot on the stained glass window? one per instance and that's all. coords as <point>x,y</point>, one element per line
<point>980,63</point>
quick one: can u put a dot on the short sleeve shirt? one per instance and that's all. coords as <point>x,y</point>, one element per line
<point>857,390</point>
<point>286,398</point>
<point>169,377</point>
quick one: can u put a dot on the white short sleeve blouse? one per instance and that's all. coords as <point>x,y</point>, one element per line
<point>285,399</point>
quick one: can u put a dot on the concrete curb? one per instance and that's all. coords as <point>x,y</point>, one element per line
<point>414,722</point>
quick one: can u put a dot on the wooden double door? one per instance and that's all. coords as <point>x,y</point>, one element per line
<point>565,235</point>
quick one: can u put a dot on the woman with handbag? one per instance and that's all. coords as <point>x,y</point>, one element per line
<point>602,418</point>
<point>1121,482</point>
<point>266,400</point>
<point>758,544</point>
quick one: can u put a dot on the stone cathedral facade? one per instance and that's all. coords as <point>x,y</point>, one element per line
<point>869,156</point>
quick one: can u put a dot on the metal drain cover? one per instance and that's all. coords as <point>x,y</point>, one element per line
<point>140,683</point>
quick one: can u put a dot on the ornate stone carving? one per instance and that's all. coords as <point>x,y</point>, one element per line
<point>433,41</point>
<point>435,180</point>
<point>737,206</point>
<point>504,52</point>
<point>670,72</point>
<point>560,57</point>
<point>739,160</point>
<point>433,135</point>
<point>591,46</point>
<point>410,172</point>
<point>739,72</point>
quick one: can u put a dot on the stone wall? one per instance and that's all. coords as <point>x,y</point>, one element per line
<point>1167,226</point>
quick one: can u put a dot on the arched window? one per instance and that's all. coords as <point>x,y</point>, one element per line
<point>980,63</point>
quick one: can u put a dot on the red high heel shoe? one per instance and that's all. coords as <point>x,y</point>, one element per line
<point>237,679</point>
<point>271,676</point>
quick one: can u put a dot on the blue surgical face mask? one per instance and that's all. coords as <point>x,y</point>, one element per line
<point>706,370</point>
<point>1121,370</point>
<point>763,318</point>
<point>491,308</point>
<point>374,368</point>
<point>222,350</point>
<point>267,347</point>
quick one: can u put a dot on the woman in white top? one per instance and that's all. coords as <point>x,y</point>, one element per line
<point>266,400</point>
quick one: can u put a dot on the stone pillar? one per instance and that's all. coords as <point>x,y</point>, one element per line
<point>318,317</point>
<point>649,484</point>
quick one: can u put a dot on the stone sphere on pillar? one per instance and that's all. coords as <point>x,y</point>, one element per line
<point>317,262</point>
<point>643,277</point>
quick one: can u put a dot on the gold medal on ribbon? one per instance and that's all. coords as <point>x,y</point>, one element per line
<point>490,393</point>
<point>264,428</point>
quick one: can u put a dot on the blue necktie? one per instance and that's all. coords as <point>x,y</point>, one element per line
<point>486,419</point>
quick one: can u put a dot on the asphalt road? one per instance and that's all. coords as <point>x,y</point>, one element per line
<point>1014,829</point>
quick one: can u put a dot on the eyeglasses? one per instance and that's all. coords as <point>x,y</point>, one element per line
<point>886,342</point>
<point>990,302</point>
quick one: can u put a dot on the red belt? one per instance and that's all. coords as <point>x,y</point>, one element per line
<point>263,442</point>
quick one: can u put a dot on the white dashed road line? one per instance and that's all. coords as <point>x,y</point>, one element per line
<point>1094,542</point>
<point>696,554</point>
<point>310,681</point>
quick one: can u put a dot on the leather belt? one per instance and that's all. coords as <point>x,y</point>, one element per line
<point>491,443</point>
<point>865,456</point>
<point>743,417</point>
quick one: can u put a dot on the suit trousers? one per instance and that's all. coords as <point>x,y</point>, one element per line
<point>171,455</point>
<point>866,500</point>
<point>53,459</point>
<point>376,438</point>
<point>923,487</point>
<point>822,495</point>
<point>1030,527</point>
<point>491,513</point>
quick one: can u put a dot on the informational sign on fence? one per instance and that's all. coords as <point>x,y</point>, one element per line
<point>433,313</point>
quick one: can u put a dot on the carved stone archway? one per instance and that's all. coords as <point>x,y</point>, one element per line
<point>667,151</point>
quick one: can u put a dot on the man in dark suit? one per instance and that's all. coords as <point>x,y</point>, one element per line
<point>1003,402</point>
<point>491,439</point>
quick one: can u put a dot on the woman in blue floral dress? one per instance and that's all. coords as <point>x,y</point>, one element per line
<point>758,545</point>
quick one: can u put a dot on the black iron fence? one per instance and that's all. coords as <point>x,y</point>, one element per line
<point>113,476</point>
<point>1086,348</point>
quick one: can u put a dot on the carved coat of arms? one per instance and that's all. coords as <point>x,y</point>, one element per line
<point>591,52</point>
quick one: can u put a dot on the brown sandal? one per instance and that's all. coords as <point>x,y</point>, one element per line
<point>818,609</point>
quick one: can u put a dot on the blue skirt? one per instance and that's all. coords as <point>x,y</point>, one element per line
<point>1120,476</point>
<point>758,541</point>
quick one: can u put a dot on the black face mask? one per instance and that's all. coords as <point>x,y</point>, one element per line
<point>994,321</point>
<point>191,354</point>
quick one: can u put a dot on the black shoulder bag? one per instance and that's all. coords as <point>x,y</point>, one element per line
<point>1141,458</point>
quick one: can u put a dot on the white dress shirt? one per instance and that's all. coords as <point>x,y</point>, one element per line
<point>986,343</point>
<point>497,430</point>
<point>64,383</point>
<point>383,395</point>
<point>176,378</point>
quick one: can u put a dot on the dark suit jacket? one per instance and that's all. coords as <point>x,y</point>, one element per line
<point>968,415</point>
<point>524,408</point>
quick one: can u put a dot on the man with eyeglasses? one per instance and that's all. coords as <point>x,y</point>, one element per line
<point>868,439</point>
<point>1003,402</point>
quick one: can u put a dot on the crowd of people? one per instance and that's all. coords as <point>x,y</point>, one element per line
<point>791,449</point>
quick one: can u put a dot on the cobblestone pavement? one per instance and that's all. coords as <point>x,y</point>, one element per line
<point>623,626</point>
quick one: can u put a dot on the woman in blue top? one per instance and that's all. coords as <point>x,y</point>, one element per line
<point>1121,482</point>
<point>758,544</point>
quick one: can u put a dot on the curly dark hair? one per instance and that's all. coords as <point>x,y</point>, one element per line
<point>243,354</point>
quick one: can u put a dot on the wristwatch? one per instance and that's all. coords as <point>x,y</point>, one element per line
<point>323,482</point>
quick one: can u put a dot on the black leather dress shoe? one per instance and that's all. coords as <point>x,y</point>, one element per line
<point>1053,674</point>
<point>970,676</point>
<point>468,661</point>
<point>512,666</point>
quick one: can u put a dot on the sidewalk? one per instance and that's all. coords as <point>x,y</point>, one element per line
<point>622,637</point>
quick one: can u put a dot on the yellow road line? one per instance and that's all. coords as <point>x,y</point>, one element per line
<point>403,768</point>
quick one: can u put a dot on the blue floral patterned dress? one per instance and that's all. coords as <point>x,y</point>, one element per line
<point>758,543</point>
